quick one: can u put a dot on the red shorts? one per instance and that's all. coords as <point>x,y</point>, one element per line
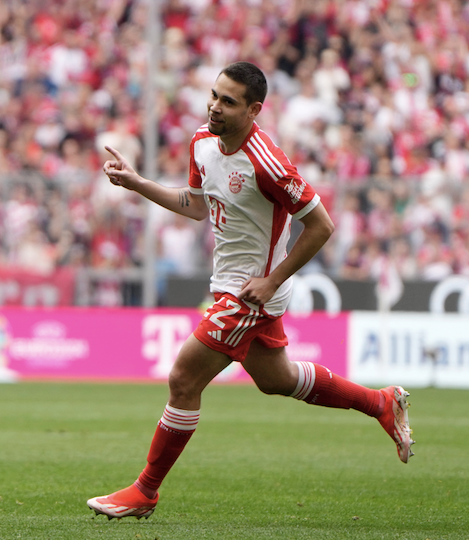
<point>230,325</point>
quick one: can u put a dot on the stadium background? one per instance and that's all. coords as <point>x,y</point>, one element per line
<point>369,99</point>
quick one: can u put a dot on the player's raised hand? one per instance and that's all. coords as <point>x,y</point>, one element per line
<point>119,171</point>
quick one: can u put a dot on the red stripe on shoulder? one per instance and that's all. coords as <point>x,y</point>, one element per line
<point>202,133</point>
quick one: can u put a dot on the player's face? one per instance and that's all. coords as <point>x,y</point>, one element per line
<point>229,115</point>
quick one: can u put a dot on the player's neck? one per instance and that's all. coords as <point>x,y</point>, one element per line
<point>229,144</point>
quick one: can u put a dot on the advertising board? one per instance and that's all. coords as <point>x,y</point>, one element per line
<point>138,344</point>
<point>413,349</point>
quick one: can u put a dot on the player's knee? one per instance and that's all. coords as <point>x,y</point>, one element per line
<point>278,382</point>
<point>180,386</point>
<point>271,388</point>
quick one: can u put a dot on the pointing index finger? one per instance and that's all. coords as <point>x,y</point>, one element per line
<point>114,152</point>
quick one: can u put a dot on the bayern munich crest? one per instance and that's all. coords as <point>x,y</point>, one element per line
<point>236,182</point>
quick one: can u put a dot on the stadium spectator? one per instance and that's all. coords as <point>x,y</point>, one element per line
<point>353,266</point>
<point>177,253</point>
<point>20,211</point>
<point>330,78</point>
<point>302,111</point>
<point>434,257</point>
<point>350,225</point>
<point>108,242</point>
<point>33,253</point>
<point>380,214</point>
<point>109,251</point>
<point>404,261</point>
<point>348,159</point>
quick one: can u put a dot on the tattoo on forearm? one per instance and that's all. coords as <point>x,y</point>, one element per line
<point>184,197</point>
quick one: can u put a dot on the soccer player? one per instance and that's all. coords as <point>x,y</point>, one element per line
<point>250,191</point>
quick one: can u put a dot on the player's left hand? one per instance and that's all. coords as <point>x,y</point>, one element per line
<point>257,290</point>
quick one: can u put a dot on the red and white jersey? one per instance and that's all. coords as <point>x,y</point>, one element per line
<point>252,195</point>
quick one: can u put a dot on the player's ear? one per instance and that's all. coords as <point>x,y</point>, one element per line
<point>254,109</point>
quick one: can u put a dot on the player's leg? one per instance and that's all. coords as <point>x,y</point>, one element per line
<point>194,368</point>
<point>273,373</point>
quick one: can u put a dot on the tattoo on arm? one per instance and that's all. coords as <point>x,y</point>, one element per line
<point>184,197</point>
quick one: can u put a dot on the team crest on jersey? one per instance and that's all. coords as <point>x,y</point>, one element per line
<point>236,182</point>
<point>294,190</point>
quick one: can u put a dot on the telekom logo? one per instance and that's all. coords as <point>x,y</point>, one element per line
<point>217,211</point>
<point>162,338</point>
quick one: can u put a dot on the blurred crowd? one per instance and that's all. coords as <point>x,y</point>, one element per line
<point>369,98</point>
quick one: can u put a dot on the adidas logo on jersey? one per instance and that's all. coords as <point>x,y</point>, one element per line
<point>215,334</point>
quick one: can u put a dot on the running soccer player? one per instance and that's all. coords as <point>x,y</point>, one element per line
<point>250,191</point>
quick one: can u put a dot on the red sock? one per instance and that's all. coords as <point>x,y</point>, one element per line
<point>172,434</point>
<point>331,390</point>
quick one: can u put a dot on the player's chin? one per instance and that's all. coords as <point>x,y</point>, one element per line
<point>215,127</point>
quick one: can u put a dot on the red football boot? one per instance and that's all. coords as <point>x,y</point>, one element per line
<point>395,420</point>
<point>126,502</point>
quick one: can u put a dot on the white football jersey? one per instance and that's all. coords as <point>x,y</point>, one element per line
<point>252,195</point>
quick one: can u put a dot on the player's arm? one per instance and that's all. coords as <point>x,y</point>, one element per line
<point>318,227</point>
<point>179,200</point>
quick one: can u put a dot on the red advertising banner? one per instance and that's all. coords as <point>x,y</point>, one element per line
<point>138,344</point>
<point>20,288</point>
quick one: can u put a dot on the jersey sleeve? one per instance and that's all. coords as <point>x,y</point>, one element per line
<point>195,178</point>
<point>278,178</point>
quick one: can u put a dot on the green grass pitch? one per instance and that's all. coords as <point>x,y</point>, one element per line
<point>258,467</point>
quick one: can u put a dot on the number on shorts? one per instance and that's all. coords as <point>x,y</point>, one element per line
<point>215,318</point>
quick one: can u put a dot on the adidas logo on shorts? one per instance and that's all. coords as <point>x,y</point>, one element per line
<point>215,334</point>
